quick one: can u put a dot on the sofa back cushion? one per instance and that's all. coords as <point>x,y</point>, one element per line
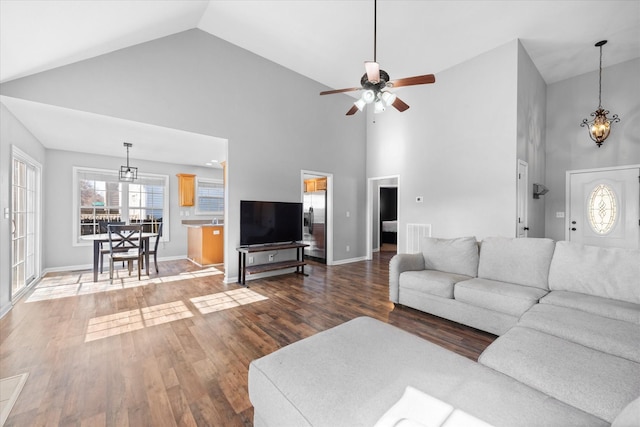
<point>523,261</point>
<point>458,256</point>
<point>592,270</point>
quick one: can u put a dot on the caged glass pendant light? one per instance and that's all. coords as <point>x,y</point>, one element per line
<point>600,127</point>
<point>128,173</point>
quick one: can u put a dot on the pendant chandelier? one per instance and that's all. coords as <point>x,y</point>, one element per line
<point>600,126</point>
<point>128,173</point>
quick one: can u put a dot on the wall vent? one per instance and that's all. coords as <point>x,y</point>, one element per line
<point>415,233</point>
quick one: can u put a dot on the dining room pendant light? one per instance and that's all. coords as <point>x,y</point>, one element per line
<point>128,173</point>
<point>600,127</point>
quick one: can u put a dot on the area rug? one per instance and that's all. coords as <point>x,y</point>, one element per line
<point>10,388</point>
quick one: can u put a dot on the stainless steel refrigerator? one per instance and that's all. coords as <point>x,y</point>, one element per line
<point>315,219</point>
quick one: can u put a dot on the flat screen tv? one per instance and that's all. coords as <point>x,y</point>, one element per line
<point>270,222</point>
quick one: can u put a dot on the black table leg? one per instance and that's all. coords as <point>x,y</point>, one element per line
<point>96,257</point>
<point>145,242</point>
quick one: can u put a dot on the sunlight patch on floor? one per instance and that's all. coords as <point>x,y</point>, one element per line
<point>165,313</point>
<point>81,283</point>
<point>132,320</point>
<point>225,300</point>
<point>113,324</point>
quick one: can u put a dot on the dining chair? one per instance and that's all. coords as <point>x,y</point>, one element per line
<point>154,251</point>
<point>104,229</point>
<point>125,244</point>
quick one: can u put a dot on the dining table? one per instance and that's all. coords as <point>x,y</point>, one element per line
<point>98,239</point>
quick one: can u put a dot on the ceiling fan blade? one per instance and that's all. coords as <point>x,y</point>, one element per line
<point>329,92</point>
<point>400,105</point>
<point>373,71</point>
<point>352,111</point>
<point>410,81</point>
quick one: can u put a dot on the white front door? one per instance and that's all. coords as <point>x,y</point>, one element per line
<point>604,207</point>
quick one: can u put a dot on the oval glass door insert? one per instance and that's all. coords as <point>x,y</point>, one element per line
<point>603,209</point>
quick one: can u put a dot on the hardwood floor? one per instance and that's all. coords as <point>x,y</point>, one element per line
<point>174,350</point>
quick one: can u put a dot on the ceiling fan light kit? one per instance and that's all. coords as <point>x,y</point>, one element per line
<point>600,127</point>
<point>375,80</point>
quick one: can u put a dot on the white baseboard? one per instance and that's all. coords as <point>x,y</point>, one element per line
<point>90,266</point>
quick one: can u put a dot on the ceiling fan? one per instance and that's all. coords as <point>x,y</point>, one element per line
<point>375,83</point>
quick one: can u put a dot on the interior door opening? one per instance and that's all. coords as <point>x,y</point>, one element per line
<point>383,215</point>
<point>317,211</point>
<point>388,219</point>
<point>522,226</point>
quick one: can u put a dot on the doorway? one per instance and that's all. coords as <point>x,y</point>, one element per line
<point>389,220</point>
<point>603,207</point>
<point>317,206</point>
<point>522,197</point>
<point>25,220</point>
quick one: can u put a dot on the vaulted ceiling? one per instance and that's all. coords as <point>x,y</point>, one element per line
<point>327,40</point>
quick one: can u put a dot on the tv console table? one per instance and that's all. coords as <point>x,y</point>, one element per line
<point>243,269</point>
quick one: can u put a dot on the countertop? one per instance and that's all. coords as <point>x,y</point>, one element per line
<point>198,223</point>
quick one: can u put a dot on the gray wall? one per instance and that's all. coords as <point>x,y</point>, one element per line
<point>456,147</point>
<point>532,104</point>
<point>273,118</point>
<point>12,132</point>
<point>569,146</point>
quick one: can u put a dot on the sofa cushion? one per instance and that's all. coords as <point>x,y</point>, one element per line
<point>458,256</point>
<point>630,415</point>
<point>598,383</point>
<point>433,282</point>
<point>521,261</point>
<point>606,307</point>
<point>352,374</point>
<point>498,296</point>
<point>604,272</point>
<point>608,335</point>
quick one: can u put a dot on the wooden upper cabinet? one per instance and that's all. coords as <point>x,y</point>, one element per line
<point>315,184</point>
<point>186,189</point>
<point>321,184</point>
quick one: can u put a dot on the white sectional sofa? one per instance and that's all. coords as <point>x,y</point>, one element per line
<point>568,353</point>
<point>489,292</point>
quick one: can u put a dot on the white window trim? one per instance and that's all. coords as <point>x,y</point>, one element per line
<point>75,238</point>
<point>198,211</point>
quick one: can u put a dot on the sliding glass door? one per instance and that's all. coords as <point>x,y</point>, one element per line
<point>24,225</point>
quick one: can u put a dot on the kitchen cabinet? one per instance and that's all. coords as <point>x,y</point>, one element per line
<point>315,184</point>
<point>205,244</point>
<point>186,189</point>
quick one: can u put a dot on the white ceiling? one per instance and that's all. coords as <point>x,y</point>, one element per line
<point>73,130</point>
<point>325,40</point>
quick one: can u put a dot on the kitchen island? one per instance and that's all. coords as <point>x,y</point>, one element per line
<point>205,242</point>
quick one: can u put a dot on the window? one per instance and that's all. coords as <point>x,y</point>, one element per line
<point>100,198</point>
<point>209,196</point>
<point>602,209</point>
